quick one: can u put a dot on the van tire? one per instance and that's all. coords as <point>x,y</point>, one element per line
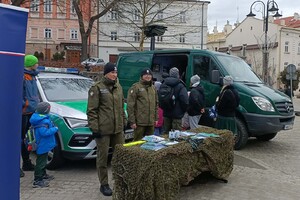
<point>55,159</point>
<point>266,137</point>
<point>242,135</point>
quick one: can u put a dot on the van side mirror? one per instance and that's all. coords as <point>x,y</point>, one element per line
<point>215,76</point>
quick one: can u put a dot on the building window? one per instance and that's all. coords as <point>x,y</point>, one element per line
<point>34,33</point>
<point>74,34</point>
<point>160,15</point>
<point>48,6</point>
<point>137,37</point>
<point>286,47</point>
<point>182,17</point>
<point>159,38</point>
<point>34,5</point>
<point>113,35</point>
<point>298,48</point>
<point>72,8</point>
<point>114,14</point>
<point>136,15</point>
<point>48,33</point>
<point>182,38</point>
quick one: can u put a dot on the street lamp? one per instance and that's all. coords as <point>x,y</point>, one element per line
<point>152,31</point>
<point>270,6</point>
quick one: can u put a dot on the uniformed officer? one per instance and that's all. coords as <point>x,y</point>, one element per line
<point>142,106</point>
<point>106,119</point>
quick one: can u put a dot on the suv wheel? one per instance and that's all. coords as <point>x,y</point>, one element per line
<point>55,158</point>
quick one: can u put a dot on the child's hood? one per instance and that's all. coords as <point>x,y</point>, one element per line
<point>38,119</point>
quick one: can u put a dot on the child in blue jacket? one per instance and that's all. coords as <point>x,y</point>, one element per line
<point>45,140</point>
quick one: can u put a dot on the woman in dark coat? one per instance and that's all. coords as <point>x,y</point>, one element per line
<point>226,104</point>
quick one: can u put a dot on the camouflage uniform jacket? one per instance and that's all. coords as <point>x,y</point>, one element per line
<point>105,110</point>
<point>142,104</point>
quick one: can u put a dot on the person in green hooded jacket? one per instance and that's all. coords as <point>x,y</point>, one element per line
<point>106,119</point>
<point>142,105</point>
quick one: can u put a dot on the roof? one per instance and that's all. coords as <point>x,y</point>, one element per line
<point>291,22</point>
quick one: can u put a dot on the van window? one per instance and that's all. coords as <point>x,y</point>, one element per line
<point>203,66</point>
<point>238,69</point>
<point>164,62</point>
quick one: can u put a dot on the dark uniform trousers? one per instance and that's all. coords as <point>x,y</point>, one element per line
<point>103,144</point>
<point>141,131</point>
<point>170,124</point>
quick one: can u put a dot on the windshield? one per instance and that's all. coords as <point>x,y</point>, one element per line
<point>238,69</point>
<point>65,89</point>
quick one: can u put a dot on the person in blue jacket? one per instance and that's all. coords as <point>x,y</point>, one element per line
<point>45,140</point>
<point>29,103</point>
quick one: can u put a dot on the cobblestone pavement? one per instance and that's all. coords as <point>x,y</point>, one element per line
<point>262,171</point>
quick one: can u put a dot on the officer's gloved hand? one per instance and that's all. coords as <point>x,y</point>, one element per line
<point>96,135</point>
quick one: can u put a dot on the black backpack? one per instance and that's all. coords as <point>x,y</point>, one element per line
<point>166,97</point>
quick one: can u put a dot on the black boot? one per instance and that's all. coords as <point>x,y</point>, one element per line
<point>27,165</point>
<point>105,190</point>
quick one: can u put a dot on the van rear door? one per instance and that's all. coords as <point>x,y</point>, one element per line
<point>130,67</point>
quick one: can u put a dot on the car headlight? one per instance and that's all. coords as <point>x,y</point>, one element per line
<point>263,104</point>
<point>75,123</point>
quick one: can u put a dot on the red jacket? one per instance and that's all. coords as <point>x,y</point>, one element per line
<point>160,120</point>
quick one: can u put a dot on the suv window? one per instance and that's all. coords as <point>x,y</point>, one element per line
<point>203,65</point>
<point>65,89</point>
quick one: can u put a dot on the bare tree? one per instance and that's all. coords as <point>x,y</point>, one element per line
<point>88,11</point>
<point>134,16</point>
<point>102,7</point>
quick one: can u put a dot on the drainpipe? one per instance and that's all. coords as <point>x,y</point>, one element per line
<point>279,55</point>
<point>202,21</point>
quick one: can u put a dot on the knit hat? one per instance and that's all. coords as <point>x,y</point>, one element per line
<point>43,108</point>
<point>195,79</point>
<point>157,85</point>
<point>227,80</point>
<point>146,71</point>
<point>109,67</point>
<point>174,72</point>
<point>30,60</point>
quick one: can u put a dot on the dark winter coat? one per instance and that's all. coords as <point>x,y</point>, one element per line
<point>196,101</point>
<point>30,92</point>
<point>229,100</point>
<point>142,104</point>
<point>105,110</point>
<point>181,98</point>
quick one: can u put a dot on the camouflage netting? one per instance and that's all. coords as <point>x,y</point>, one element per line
<point>144,174</point>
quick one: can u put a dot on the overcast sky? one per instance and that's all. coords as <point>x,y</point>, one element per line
<point>219,11</point>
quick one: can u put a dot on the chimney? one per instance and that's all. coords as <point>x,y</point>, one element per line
<point>296,16</point>
<point>282,22</point>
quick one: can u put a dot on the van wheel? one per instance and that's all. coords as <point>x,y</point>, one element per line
<point>266,137</point>
<point>55,159</point>
<point>242,135</point>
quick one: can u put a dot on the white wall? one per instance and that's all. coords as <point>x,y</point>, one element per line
<point>192,29</point>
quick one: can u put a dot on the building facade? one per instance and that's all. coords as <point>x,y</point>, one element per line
<point>53,30</point>
<point>247,41</point>
<point>121,30</point>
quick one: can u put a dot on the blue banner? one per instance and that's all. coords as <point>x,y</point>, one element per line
<point>13,23</point>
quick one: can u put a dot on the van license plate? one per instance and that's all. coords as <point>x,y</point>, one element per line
<point>288,127</point>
